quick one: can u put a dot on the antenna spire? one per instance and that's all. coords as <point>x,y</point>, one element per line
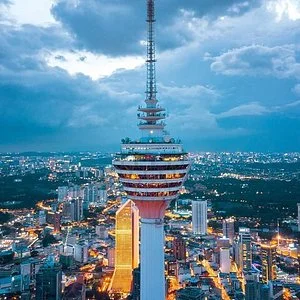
<point>151,72</point>
<point>151,117</point>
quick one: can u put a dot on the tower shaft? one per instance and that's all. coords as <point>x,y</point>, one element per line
<point>152,259</point>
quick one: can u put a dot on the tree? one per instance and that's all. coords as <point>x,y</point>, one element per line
<point>48,240</point>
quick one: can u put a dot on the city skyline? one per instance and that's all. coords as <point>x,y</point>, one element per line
<point>200,200</point>
<point>250,207</point>
<point>224,88</point>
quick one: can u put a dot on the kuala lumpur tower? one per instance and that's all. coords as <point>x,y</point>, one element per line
<point>152,170</point>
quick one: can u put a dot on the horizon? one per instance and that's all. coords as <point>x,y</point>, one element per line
<point>113,152</point>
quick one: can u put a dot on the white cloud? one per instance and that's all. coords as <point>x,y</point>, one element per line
<point>257,60</point>
<point>251,109</point>
<point>296,89</point>
<point>236,8</point>
<point>256,109</point>
<point>34,12</point>
<point>293,104</point>
<point>92,65</point>
<point>188,92</point>
<point>285,9</point>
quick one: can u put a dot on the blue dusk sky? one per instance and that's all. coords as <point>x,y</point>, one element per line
<point>72,73</point>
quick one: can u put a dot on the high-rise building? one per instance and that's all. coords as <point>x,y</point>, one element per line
<point>102,232</point>
<point>102,195</point>
<point>244,249</point>
<point>73,210</point>
<point>223,242</point>
<point>81,252</point>
<point>111,256</point>
<point>89,194</point>
<point>62,192</point>
<point>48,281</point>
<point>298,205</point>
<point>179,248</point>
<point>74,191</point>
<point>127,247</point>
<point>172,268</point>
<point>28,270</point>
<point>68,211</point>
<point>57,221</point>
<point>152,170</point>
<point>42,217</point>
<point>66,260</point>
<point>256,290</point>
<point>251,289</point>
<point>78,209</point>
<point>199,217</point>
<point>265,292</point>
<point>225,261</point>
<point>95,193</point>
<point>268,255</point>
<point>228,229</point>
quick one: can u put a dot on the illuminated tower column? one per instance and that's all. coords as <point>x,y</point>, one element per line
<point>268,251</point>
<point>127,247</point>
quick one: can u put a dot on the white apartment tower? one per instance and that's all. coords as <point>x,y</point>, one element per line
<point>298,204</point>
<point>225,262</point>
<point>199,217</point>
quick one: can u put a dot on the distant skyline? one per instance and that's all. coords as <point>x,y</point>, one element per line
<point>72,73</point>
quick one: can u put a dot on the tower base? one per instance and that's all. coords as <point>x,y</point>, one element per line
<point>152,259</point>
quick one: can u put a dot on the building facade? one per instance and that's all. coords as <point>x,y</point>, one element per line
<point>244,249</point>
<point>48,281</point>
<point>127,247</point>
<point>225,261</point>
<point>199,217</point>
<point>268,256</point>
<point>179,248</point>
<point>298,205</point>
<point>228,229</point>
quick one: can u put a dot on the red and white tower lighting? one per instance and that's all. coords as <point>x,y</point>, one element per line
<point>152,170</point>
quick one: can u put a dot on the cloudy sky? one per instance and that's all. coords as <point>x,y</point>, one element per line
<point>72,73</point>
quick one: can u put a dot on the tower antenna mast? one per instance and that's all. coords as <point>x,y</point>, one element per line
<point>152,115</point>
<point>151,60</point>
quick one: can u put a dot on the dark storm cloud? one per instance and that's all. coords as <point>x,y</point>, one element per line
<point>21,46</point>
<point>46,103</point>
<point>38,102</point>
<point>116,27</point>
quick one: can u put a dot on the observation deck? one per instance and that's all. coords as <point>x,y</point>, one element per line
<point>152,172</point>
